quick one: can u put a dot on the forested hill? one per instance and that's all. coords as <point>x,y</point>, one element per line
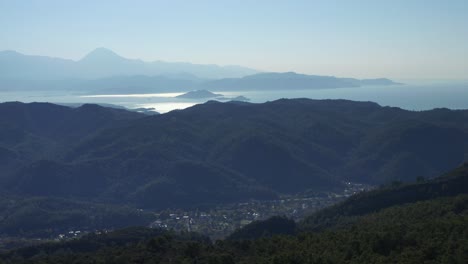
<point>35,131</point>
<point>429,224</point>
<point>449,185</point>
<point>361,205</point>
<point>221,152</point>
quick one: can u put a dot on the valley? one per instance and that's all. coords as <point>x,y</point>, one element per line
<point>233,132</point>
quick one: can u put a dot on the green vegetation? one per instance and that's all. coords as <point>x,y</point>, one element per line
<point>44,217</point>
<point>276,225</point>
<point>215,153</point>
<point>428,227</point>
<point>448,185</point>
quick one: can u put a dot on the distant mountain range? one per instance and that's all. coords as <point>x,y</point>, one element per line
<point>103,71</point>
<point>104,63</point>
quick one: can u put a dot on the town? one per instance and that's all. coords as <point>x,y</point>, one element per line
<point>220,221</point>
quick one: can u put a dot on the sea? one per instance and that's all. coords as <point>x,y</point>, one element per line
<point>410,96</point>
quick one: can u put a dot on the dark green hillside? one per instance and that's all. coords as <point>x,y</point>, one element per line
<point>60,122</point>
<point>44,217</point>
<point>449,185</point>
<point>431,228</point>
<point>50,178</point>
<point>361,205</point>
<point>314,144</point>
<point>217,153</point>
<point>276,225</point>
<point>45,131</point>
<point>189,183</point>
<point>410,147</point>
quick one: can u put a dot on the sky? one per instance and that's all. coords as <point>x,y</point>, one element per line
<point>400,39</point>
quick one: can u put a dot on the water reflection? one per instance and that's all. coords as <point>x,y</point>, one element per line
<point>157,95</point>
<point>412,97</point>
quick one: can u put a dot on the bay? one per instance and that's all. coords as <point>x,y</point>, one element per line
<point>411,96</point>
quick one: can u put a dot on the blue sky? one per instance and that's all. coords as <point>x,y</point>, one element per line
<point>356,38</point>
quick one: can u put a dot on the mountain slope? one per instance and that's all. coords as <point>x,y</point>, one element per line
<point>396,198</point>
<point>449,185</point>
<point>243,151</point>
<point>44,131</point>
<point>33,217</point>
<point>432,230</point>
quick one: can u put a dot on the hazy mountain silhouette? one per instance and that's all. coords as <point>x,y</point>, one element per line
<point>101,54</point>
<point>290,81</point>
<point>104,71</point>
<point>19,67</point>
<point>103,63</point>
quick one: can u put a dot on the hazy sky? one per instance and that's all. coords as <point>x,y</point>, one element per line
<point>355,38</point>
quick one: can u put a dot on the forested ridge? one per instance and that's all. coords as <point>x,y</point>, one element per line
<point>210,154</point>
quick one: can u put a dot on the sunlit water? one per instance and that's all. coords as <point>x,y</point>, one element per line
<point>452,95</point>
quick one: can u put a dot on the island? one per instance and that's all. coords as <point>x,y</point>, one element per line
<point>199,94</point>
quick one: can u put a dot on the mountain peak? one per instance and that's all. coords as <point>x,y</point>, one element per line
<point>100,54</point>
